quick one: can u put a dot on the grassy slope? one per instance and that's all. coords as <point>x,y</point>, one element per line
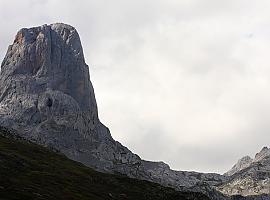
<point>29,171</point>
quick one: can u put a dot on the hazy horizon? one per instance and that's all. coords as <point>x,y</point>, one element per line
<point>184,82</point>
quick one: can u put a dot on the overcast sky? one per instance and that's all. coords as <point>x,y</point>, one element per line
<point>182,81</point>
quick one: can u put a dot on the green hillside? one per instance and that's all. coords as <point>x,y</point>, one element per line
<point>29,171</point>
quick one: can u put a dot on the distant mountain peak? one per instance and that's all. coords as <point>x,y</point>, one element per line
<point>262,154</point>
<point>241,164</point>
<point>249,177</point>
<point>246,161</point>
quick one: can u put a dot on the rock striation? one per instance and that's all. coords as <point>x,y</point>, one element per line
<point>47,97</point>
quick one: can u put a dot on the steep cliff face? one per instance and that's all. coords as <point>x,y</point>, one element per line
<point>47,95</point>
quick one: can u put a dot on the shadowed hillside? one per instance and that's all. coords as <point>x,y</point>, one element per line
<point>29,171</point>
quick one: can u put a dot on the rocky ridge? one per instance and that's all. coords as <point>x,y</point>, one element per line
<point>246,161</point>
<point>241,164</point>
<point>249,177</point>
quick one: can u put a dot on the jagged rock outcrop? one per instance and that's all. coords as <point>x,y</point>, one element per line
<point>46,96</point>
<point>250,177</point>
<point>246,161</point>
<point>265,152</point>
<point>241,164</point>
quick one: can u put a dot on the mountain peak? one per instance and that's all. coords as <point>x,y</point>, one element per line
<point>51,56</point>
<point>241,164</point>
<point>262,154</point>
<point>47,96</point>
<point>246,161</point>
<point>64,31</point>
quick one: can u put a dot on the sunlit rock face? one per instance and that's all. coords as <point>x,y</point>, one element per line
<point>47,96</point>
